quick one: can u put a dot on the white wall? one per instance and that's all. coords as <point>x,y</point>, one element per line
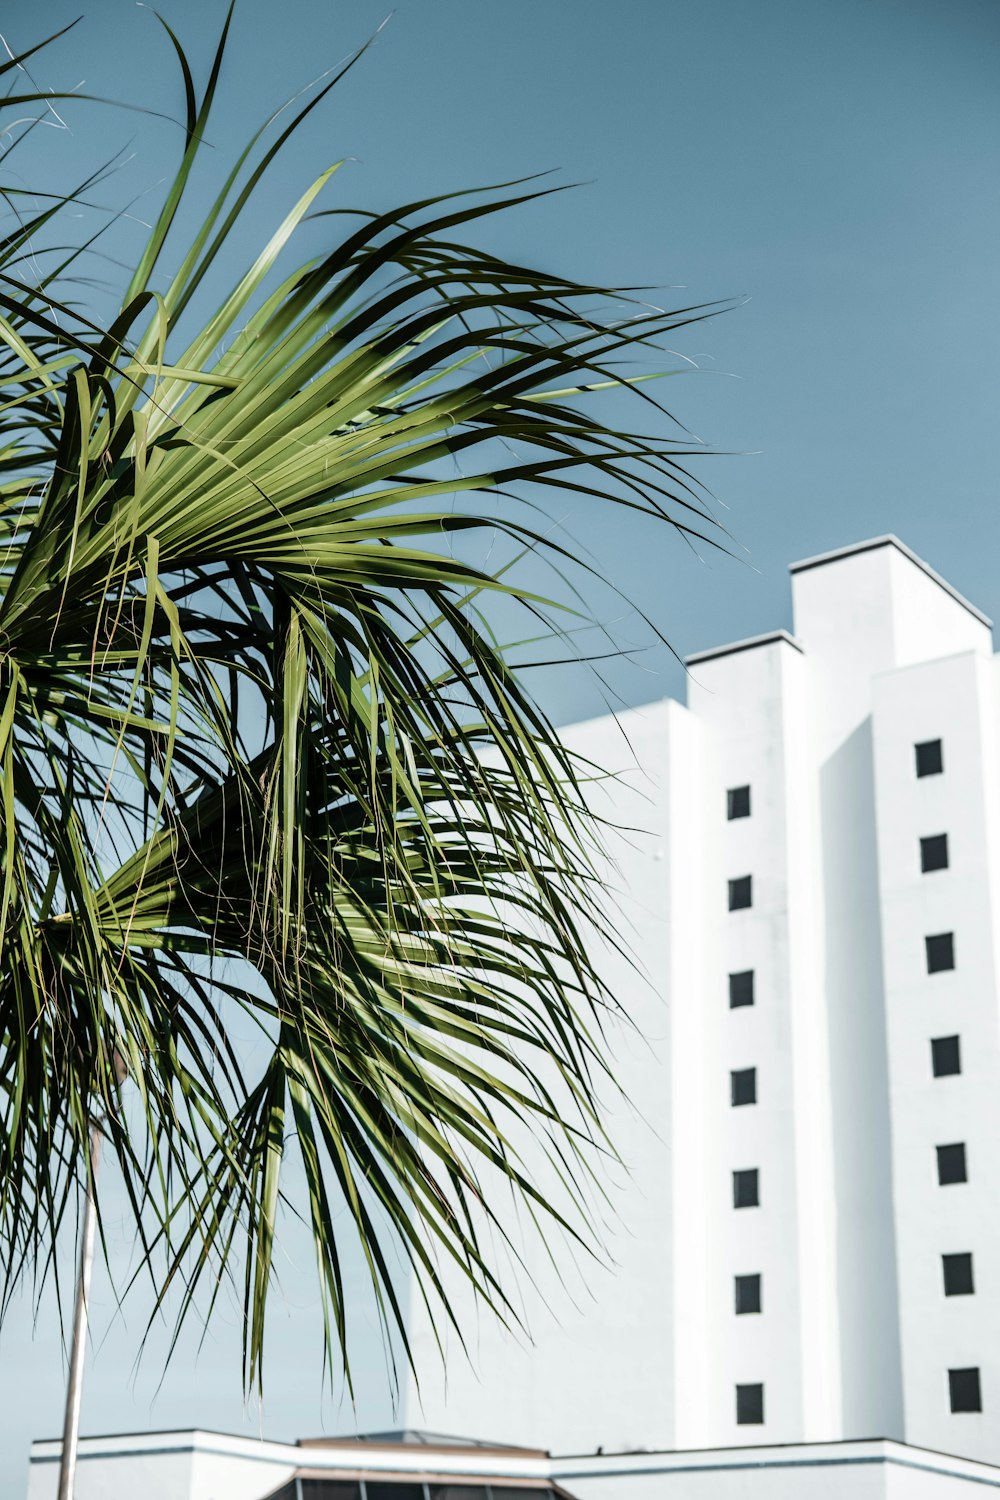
<point>873,1470</point>
<point>694,1206</point>
<point>953,700</point>
<point>741,698</point>
<point>164,1475</point>
<point>600,1368</point>
<point>166,1466</point>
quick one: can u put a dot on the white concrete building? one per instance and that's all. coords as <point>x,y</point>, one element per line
<point>200,1465</point>
<point>811,1242</point>
<point>805,1288</point>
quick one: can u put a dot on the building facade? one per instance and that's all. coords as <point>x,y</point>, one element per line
<point>801,1295</point>
<point>809,1249</point>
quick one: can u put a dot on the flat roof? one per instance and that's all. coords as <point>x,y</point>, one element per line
<point>889,540</point>
<point>746,645</point>
<point>421,1441</point>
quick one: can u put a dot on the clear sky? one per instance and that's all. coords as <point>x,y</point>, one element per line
<point>837,164</point>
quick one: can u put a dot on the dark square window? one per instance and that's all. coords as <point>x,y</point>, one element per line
<point>750,1405</point>
<point>946,1056</point>
<point>741,989</point>
<point>743,1086</point>
<point>747,1293</point>
<point>940,952</point>
<point>740,892</point>
<point>951,1164</point>
<point>738,802</point>
<point>958,1274</point>
<point>963,1389</point>
<point>934,853</point>
<point>930,761</point>
<point>746,1188</point>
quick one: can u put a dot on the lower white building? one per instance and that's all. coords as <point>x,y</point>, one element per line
<point>213,1466</point>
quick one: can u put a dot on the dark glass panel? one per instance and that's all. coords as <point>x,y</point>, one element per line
<point>457,1492</point>
<point>946,1056</point>
<point>738,802</point>
<point>940,952</point>
<point>741,989</point>
<point>958,1280</point>
<point>746,1188</point>
<point>393,1489</point>
<point>329,1489</point>
<point>934,853</point>
<point>951,1164</point>
<point>930,761</point>
<point>749,1405</point>
<point>748,1293</point>
<point>963,1389</point>
<point>743,1086</point>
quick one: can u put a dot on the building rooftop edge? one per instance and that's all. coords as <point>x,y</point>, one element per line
<point>363,1453</point>
<point>551,1468</point>
<point>792,1446</point>
<point>421,1442</point>
<point>748,644</point>
<point>890,540</point>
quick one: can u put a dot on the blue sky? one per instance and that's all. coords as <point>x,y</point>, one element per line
<point>835,164</point>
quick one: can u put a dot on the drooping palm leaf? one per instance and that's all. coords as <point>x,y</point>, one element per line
<point>253,715</point>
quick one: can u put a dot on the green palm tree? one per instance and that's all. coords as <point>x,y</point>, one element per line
<point>263,761</point>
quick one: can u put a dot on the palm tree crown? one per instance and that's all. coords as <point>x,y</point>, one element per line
<point>260,751</point>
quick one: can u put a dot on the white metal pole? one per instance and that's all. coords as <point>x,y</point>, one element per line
<point>74,1389</point>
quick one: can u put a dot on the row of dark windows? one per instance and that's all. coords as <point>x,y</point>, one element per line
<point>964,1388</point>
<point>933,856</point>
<point>952,1167</point>
<point>939,951</point>
<point>401,1489</point>
<point>946,1061</point>
<point>956,1274</point>
<point>964,1394</point>
<point>964,1391</point>
<point>929,758</point>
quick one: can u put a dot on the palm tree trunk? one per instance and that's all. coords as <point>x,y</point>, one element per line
<point>74,1389</point>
